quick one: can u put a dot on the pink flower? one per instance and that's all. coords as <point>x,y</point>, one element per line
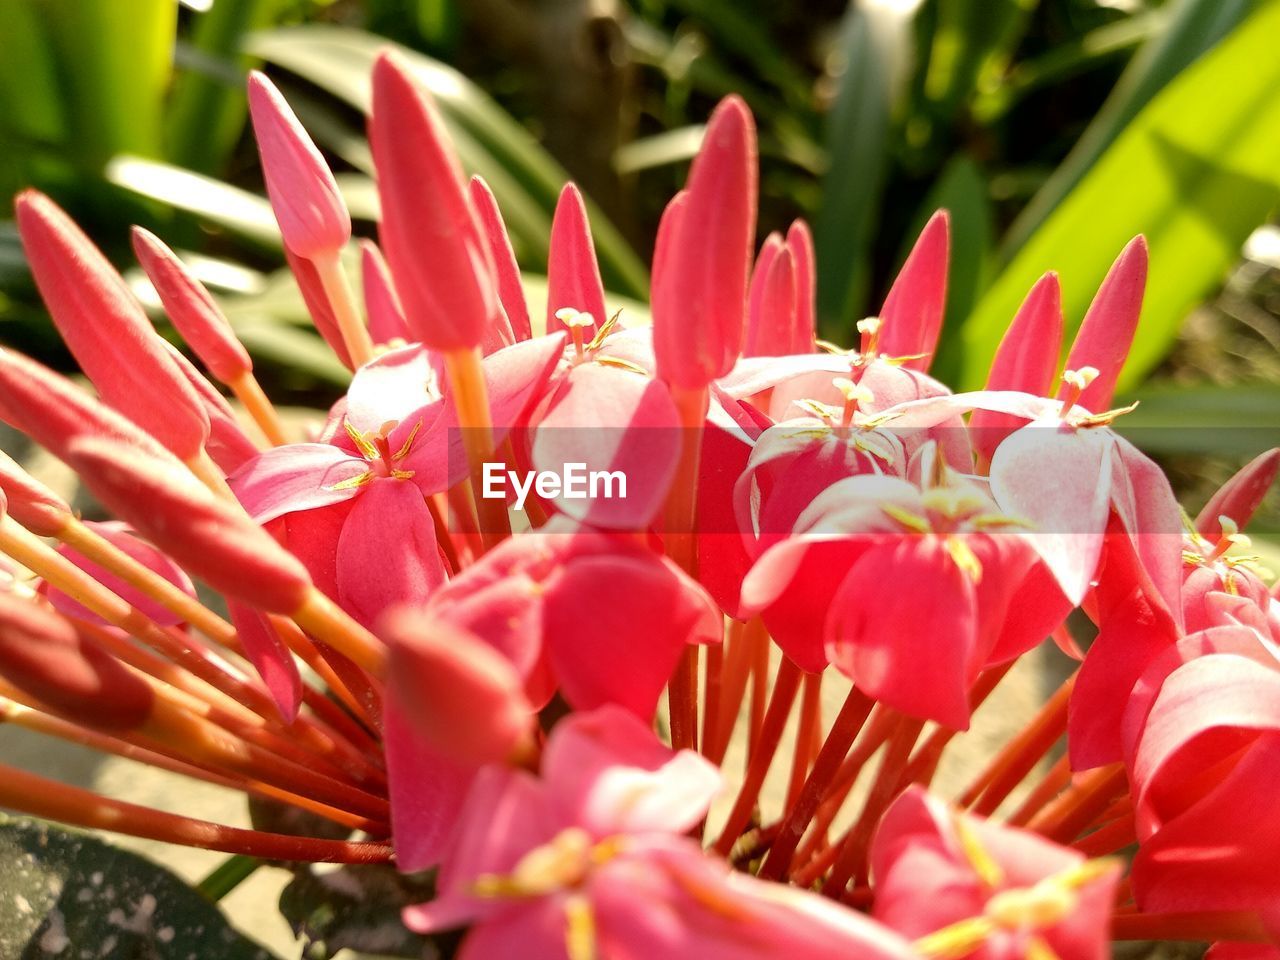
<point>352,504</point>
<point>962,886</point>
<point>909,592</point>
<point>555,867</point>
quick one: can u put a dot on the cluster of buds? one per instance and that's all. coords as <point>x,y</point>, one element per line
<point>486,675</point>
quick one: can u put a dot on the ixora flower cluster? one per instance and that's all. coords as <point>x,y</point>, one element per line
<point>482,700</point>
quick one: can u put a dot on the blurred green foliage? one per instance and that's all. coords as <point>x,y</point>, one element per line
<point>1053,130</point>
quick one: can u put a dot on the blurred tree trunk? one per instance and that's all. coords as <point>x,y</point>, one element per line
<point>574,55</point>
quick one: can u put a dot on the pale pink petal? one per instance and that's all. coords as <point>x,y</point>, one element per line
<point>609,774</point>
<point>295,477</point>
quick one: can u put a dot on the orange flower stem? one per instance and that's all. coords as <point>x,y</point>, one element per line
<point>1052,784</point>
<point>1109,838</point>
<point>59,572</point>
<point>41,797</point>
<point>785,688</point>
<point>1073,812</point>
<point>98,549</point>
<point>337,289</point>
<point>471,399</point>
<point>251,396</point>
<point>25,716</point>
<point>210,474</point>
<point>844,731</point>
<point>188,736</point>
<point>1240,926</point>
<point>329,623</point>
<point>1020,755</point>
<point>679,524</point>
<point>852,860</point>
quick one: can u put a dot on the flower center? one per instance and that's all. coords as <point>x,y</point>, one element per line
<point>563,863</point>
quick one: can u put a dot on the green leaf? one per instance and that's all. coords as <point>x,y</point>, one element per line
<point>1193,26</point>
<point>208,107</point>
<point>1204,419</point>
<point>242,213</point>
<point>60,890</point>
<point>873,42</point>
<point>1196,171</point>
<point>972,42</point>
<point>340,61</point>
<point>115,70</point>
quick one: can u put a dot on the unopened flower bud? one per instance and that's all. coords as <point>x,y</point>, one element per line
<point>312,215</point>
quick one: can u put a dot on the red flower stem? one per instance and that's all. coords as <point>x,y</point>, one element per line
<point>808,733</point>
<point>1073,812</point>
<point>814,854</point>
<point>852,860</point>
<point>195,739</point>
<point>712,691</point>
<point>26,716</point>
<point>680,517</point>
<point>923,765</point>
<point>848,724</point>
<point>471,399</point>
<point>105,554</point>
<point>337,290</point>
<point>1109,838</point>
<point>38,796</point>
<point>718,724</point>
<point>217,710</point>
<point>775,720</point>
<point>759,690</point>
<point>1052,784</point>
<point>1240,926</point>
<point>1020,755</point>
<point>59,572</point>
<point>255,402</point>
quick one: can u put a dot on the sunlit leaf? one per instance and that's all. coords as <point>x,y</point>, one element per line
<point>1196,171</point>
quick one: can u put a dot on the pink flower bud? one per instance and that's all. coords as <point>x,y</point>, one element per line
<point>312,215</point>
<point>573,276</point>
<point>438,253</point>
<point>212,539</point>
<point>773,243</point>
<point>42,654</point>
<point>800,243</point>
<point>106,328</point>
<point>506,269</point>
<point>31,503</point>
<point>386,317</point>
<point>53,411</point>
<point>191,309</point>
<point>228,445</point>
<point>913,310</point>
<point>1026,360</point>
<point>700,271</point>
<point>771,330</point>
<point>459,693</point>
<point>317,301</point>
<point>1240,496</point>
<point>1106,333</point>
